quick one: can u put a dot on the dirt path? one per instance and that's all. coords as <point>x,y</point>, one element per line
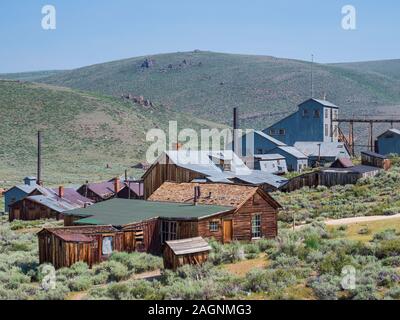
<point>241,268</point>
<point>338,222</point>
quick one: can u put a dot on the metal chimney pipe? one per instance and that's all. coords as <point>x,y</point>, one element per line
<point>235,126</point>
<point>39,157</point>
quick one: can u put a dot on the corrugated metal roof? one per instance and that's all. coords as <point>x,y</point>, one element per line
<point>393,130</point>
<point>373,154</point>
<point>325,103</point>
<point>273,140</point>
<point>258,177</point>
<point>55,203</point>
<point>292,151</point>
<point>275,156</point>
<point>328,149</point>
<point>188,246</point>
<point>24,187</point>
<point>102,189</point>
<point>123,211</point>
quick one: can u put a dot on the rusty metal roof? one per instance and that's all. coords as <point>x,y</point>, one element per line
<point>188,246</point>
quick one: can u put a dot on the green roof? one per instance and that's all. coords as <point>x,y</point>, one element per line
<point>123,211</point>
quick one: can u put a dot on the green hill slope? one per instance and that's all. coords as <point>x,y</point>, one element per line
<point>209,84</point>
<point>388,68</point>
<point>82,132</point>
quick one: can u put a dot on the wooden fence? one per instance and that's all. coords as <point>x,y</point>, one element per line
<point>321,178</point>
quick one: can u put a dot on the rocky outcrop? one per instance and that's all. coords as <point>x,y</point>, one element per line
<point>138,99</point>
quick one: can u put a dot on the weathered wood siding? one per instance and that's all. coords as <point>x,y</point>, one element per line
<point>242,221</point>
<point>172,261</point>
<point>29,210</point>
<point>159,173</point>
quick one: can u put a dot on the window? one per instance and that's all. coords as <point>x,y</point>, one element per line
<point>214,226</point>
<point>168,231</point>
<point>107,247</point>
<point>272,132</point>
<point>316,114</point>
<point>282,132</point>
<point>256,226</point>
<point>327,130</point>
<point>305,113</point>
<point>335,114</point>
<point>326,113</point>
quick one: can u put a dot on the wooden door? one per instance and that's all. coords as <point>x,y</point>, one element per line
<point>228,231</point>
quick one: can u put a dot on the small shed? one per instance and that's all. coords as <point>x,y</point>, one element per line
<point>192,251</point>
<point>374,159</point>
<point>388,142</point>
<point>342,163</point>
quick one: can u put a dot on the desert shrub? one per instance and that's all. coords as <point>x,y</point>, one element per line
<point>388,234</point>
<point>191,290</point>
<point>80,283</point>
<point>388,248</point>
<point>334,262</point>
<point>365,292</point>
<point>59,293</point>
<point>77,269</point>
<point>251,250</point>
<point>268,280</point>
<point>117,291</point>
<point>364,230</point>
<point>226,253</point>
<point>325,287</point>
<point>343,227</point>
<point>116,271</point>
<point>391,261</point>
<point>393,293</point>
<point>138,262</point>
<point>285,262</point>
<point>265,244</point>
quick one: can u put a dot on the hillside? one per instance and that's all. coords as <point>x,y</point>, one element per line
<point>82,132</point>
<point>209,84</point>
<point>388,68</point>
<point>29,76</point>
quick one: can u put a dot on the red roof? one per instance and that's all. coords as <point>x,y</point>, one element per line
<point>345,162</point>
<point>73,196</point>
<point>136,187</point>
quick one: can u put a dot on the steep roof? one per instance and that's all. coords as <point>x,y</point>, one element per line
<point>24,187</point>
<point>136,187</point>
<point>328,149</point>
<point>373,154</point>
<point>118,212</point>
<point>394,131</point>
<point>188,246</point>
<point>201,162</point>
<point>344,162</point>
<point>271,139</point>
<point>210,194</point>
<point>322,102</point>
<point>78,234</point>
<point>102,189</point>
<point>292,151</point>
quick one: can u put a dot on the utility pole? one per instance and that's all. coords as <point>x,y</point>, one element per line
<point>39,157</point>
<point>319,154</point>
<point>312,76</point>
<point>235,127</point>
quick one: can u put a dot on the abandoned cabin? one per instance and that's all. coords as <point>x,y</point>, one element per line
<point>19,192</point>
<point>156,222</point>
<point>208,166</point>
<point>254,215</point>
<point>62,247</point>
<point>45,203</point>
<point>131,190</point>
<point>193,251</point>
<point>101,191</point>
<point>374,159</point>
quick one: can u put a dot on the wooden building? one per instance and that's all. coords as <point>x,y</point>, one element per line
<point>192,251</point>
<point>254,215</point>
<point>154,222</point>
<point>45,203</point>
<point>209,166</point>
<point>369,158</point>
<point>101,191</point>
<point>131,190</point>
<point>62,247</point>
<point>342,163</point>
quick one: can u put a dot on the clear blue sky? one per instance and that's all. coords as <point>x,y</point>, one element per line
<point>93,31</point>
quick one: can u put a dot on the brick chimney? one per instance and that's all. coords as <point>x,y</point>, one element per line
<point>116,185</point>
<point>61,191</point>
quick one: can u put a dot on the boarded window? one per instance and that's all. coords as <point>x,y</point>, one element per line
<point>316,113</point>
<point>107,247</point>
<point>214,226</point>
<point>256,226</point>
<point>168,231</point>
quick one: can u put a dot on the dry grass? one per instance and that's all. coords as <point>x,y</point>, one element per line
<point>242,267</point>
